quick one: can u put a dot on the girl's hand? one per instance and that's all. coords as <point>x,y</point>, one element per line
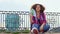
<point>41,28</point>
<point>32,22</point>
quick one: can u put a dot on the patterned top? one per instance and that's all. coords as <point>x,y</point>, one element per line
<point>41,20</point>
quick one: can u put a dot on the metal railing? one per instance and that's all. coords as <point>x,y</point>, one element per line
<point>24,20</point>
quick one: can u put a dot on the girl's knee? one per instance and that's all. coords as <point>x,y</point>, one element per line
<point>46,27</point>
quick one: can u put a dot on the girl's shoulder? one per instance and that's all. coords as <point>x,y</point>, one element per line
<point>41,13</point>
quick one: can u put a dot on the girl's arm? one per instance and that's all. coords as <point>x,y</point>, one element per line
<point>31,21</point>
<point>41,28</point>
<point>31,15</point>
<point>44,22</point>
<point>44,18</point>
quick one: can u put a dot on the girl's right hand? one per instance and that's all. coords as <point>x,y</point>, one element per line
<point>32,22</point>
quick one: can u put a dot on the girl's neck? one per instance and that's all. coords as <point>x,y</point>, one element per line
<point>38,12</point>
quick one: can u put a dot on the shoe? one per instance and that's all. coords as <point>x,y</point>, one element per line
<point>35,31</point>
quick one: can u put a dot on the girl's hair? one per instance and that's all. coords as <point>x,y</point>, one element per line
<point>41,6</point>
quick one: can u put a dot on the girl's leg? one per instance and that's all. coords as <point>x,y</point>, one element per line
<point>35,28</point>
<point>46,28</point>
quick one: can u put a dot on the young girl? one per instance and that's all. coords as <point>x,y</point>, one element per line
<point>38,19</point>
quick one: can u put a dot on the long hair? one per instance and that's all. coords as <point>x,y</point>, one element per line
<point>41,6</point>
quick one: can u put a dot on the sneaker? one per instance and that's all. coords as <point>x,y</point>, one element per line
<point>35,31</point>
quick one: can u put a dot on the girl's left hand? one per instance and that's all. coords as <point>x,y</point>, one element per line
<point>41,28</point>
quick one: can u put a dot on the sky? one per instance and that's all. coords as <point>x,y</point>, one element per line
<point>25,5</point>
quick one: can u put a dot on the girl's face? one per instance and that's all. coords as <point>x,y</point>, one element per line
<point>38,8</point>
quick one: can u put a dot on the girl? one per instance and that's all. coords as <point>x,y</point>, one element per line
<point>38,19</point>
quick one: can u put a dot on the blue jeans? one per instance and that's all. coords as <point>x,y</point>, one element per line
<point>45,28</point>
